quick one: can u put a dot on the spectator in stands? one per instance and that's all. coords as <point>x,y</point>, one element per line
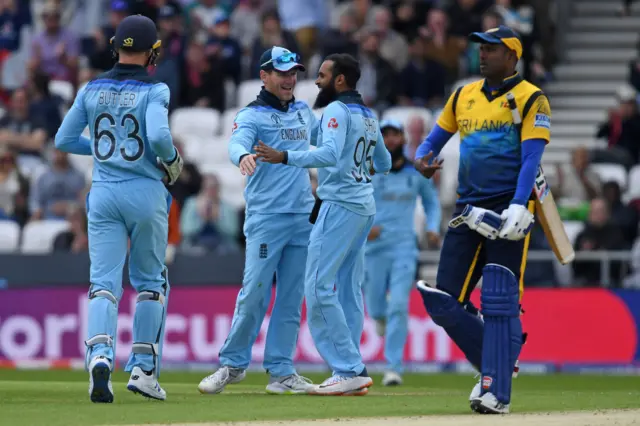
<point>271,35</point>
<point>622,129</point>
<point>441,46</point>
<point>174,237</point>
<point>224,48</point>
<point>22,131</point>
<point>13,188</point>
<point>305,19</point>
<point>152,8</point>
<point>245,23</point>
<point>408,18</point>
<point>55,51</point>
<point>75,240</point>
<point>624,216</point>
<point>12,19</point>
<point>202,82</point>
<point>520,17</point>
<point>416,132</point>
<point>600,233</point>
<point>577,185</point>
<point>189,182</point>
<point>422,81</point>
<point>490,19</point>
<point>343,39</point>
<point>44,104</point>
<point>56,189</point>
<point>363,11</point>
<point>633,280</point>
<point>208,222</point>
<point>378,80</point>
<point>101,57</point>
<point>393,47</point>
<point>466,16</point>
<point>202,14</point>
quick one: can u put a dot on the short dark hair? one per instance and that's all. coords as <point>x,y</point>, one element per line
<point>347,65</point>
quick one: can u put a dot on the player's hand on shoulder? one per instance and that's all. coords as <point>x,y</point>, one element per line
<point>426,167</point>
<point>485,222</point>
<point>518,221</point>
<point>268,154</point>
<point>248,164</point>
<point>173,168</point>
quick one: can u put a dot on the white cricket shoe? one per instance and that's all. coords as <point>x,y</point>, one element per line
<point>145,385</point>
<point>489,404</point>
<point>289,385</point>
<point>381,327</point>
<point>337,385</point>
<point>391,378</point>
<point>215,383</point>
<point>476,391</point>
<point>100,389</point>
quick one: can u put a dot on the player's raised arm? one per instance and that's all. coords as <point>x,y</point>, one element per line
<point>69,136</point>
<point>243,136</point>
<point>157,116</point>
<point>334,132</point>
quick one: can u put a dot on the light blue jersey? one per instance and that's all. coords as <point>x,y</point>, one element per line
<point>275,188</point>
<point>396,195</point>
<point>127,115</point>
<point>350,143</point>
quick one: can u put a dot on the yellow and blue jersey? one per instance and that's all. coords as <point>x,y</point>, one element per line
<point>491,146</point>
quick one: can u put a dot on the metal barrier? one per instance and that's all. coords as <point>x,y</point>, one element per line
<point>604,257</point>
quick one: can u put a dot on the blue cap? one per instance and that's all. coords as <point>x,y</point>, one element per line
<point>136,33</point>
<point>220,17</point>
<point>391,124</point>
<point>280,59</point>
<point>501,35</point>
<point>119,6</point>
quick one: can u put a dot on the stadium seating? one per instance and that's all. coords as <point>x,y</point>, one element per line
<point>247,92</point>
<point>231,182</point>
<point>611,172</point>
<point>64,89</point>
<point>201,122</point>
<point>10,232</point>
<point>573,228</point>
<point>404,114</point>
<point>38,236</point>
<point>306,91</point>
<point>633,190</point>
<point>226,123</point>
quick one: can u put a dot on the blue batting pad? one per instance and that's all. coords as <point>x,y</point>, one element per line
<point>102,325</point>
<point>500,305</point>
<point>464,328</point>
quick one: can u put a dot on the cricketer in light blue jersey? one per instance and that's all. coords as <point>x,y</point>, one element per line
<point>392,249</point>
<point>278,203</point>
<point>126,112</point>
<point>350,147</point>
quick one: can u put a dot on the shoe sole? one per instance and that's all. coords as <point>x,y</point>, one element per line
<point>100,392</point>
<point>137,391</point>
<point>476,406</point>
<point>361,391</point>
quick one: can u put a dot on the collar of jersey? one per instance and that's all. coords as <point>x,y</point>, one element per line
<point>350,97</point>
<point>129,68</point>
<point>507,84</point>
<point>273,101</point>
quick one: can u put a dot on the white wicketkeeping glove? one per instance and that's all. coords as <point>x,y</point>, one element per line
<point>485,222</point>
<point>517,222</point>
<point>172,169</point>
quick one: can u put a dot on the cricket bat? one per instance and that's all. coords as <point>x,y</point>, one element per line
<point>546,209</point>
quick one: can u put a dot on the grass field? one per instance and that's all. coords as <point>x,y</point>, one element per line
<point>61,398</point>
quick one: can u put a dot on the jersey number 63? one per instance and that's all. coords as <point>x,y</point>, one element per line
<point>98,135</point>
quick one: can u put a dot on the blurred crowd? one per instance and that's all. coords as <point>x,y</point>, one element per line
<point>411,53</point>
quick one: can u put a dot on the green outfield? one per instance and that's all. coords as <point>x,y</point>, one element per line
<point>60,398</point>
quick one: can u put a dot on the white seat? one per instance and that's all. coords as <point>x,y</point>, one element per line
<point>611,172</point>
<point>83,163</point>
<point>64,89</point>
<point>201,122</point>
<point>404,114</point>
<point>231,182</point>
<point>573,228</point>
<point>214,152</point>
<point>634,183</point>
<point>192,147</point>
<point>226,123</point>
<point>9,236</point>
<point>38,236</point>
<point>248,91</point>
<point>306,91</point>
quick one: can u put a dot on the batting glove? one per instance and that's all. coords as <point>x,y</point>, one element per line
<point>173,168</point>
<point>518,221</point>
<point>485,222</point>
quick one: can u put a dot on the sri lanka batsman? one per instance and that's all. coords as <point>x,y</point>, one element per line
<point>489,234</point>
